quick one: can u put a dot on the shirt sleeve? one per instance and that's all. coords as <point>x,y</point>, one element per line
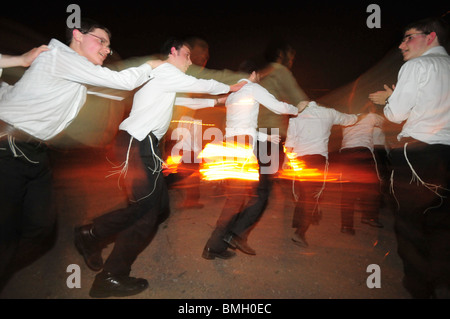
<point>76,68</point>
<point>173,80</point>
<point>404,96</point>
<point>193,103</point>
<point>343,118</point>
<point>263,96</point>
<point>224,76</point>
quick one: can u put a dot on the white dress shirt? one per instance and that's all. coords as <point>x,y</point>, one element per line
<point>379,138</point>
<point>3,85</point>
<point>361,134</point>
<point>243,108</point>
<point>52,91</point>
<point>309,132</point>
<point>153,104</point>
<point>1,70</point>
<point>422,98</point>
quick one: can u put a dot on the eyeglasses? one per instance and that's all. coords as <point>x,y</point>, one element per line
<point>103,42</point>
<point>409,37</point>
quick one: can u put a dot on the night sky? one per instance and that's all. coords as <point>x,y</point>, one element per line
<point>334,45</point>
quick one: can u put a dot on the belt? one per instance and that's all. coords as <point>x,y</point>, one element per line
<point>7,129</point>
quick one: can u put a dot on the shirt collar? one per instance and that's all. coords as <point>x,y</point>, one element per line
<point>54,43</point>
<point>436,50</point>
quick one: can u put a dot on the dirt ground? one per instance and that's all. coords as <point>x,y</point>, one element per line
<point>335,266</point>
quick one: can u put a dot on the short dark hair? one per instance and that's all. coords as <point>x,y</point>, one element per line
<point>428,25</point>
<point>86,25</point>
<point>275,47</point>
<point>173,42</point>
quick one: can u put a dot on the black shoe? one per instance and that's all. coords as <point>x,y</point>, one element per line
<point>347,230</point>
<point>89,247</point>
<point>107,285</point>
<point>371,222</point>
<point>237,242</point>
<point>210,254</point>
<point>300,240</point>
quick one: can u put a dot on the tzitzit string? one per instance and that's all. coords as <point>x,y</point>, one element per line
<point>416,178</point>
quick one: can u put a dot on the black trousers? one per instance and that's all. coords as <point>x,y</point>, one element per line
<point>26,217</point>
<point>134,226</point>
<point>422,221</point>
<point>241,217</point>
<point>307,192</point>
<point>188,176</point>
<point>360,185</point>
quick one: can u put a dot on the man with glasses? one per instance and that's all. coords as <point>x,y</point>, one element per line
<point>37,108</point>
<point>421,163</point>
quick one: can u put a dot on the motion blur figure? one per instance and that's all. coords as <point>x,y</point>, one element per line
<point>360,179</point>
<point>277,78</point>
<point>421,162</point>
<point>189,132</point>
<point>188,145</point>
<point>238,216</point>
<point>308,136</point>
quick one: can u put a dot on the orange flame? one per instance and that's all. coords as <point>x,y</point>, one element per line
<point>171,164</point>
<point>296,169</point>
<point>228,160</point>
<point>238,161</point>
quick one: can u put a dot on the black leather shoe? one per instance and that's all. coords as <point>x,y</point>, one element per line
<point>210,254</point>
<point>300,240</point>
<point>107,285</point>
<point>89,247</point>
<point>237,242</point>
<point>347,230</point>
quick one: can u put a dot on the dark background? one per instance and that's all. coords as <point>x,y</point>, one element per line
<point>334,45</point>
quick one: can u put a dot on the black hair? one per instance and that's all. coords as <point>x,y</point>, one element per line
<point>428,25</point>
<point>172,42</point>
<point>275,48</point>
<point>87,25</point>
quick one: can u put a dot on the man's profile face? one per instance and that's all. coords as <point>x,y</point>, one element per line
<point>181,58</point>
<point>94,45</point>
<point>414,44</point>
